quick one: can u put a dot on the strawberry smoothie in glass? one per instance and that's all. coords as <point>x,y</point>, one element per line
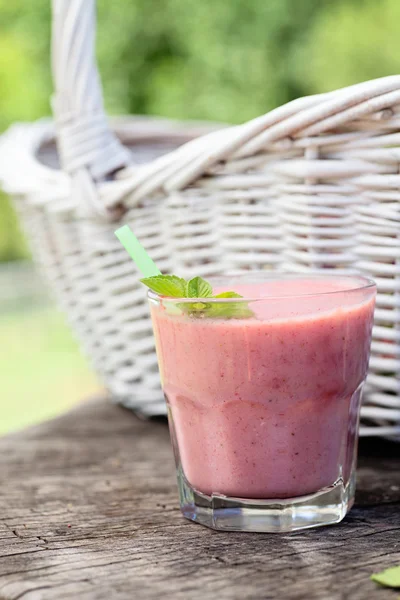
<point>264,396</point>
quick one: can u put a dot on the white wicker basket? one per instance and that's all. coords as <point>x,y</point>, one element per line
<point>303,188</point>
<point>378,250</point>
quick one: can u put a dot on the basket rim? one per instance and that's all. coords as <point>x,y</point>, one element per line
<point>305,117</point>
<point>22,142</point>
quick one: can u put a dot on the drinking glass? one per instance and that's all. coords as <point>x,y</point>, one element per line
<point>263,396</point>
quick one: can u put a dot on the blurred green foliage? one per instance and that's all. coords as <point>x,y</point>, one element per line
<point>215,59</point>
<point>54,374</point>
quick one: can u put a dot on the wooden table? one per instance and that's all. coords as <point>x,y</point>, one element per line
<point>88,511</point>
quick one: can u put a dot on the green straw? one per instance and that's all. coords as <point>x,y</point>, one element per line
<point>136,251</point>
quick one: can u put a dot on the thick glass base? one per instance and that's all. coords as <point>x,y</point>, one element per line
<point>326,507</point>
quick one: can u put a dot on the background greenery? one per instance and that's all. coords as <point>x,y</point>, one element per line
<point>222,60</point>
<point>215,59</point>
<point>42,372</point>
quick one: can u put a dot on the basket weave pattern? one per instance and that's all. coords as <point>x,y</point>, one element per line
<point>312,185</point>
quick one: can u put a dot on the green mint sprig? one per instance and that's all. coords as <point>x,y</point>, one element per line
<point>176,287</point>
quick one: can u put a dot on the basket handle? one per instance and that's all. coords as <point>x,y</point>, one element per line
<point>85,140</point>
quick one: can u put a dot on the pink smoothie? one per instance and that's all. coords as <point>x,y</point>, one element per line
<point>267,407</point>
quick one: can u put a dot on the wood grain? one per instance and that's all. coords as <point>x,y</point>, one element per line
<point>88,511</point>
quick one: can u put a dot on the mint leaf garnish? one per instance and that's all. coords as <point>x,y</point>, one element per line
<point>172,286</point>
<point>166,285</point>
<point>228,295</point>
<point>388,577</point>
<point>198,288</point>
<point>230,310</point>
<point>227,310</point>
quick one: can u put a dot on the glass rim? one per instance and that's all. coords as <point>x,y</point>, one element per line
<point>365,283</point>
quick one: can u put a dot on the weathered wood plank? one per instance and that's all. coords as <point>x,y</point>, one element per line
<point>88,510</point>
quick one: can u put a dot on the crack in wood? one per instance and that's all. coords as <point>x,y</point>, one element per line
<point>29,591</point>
